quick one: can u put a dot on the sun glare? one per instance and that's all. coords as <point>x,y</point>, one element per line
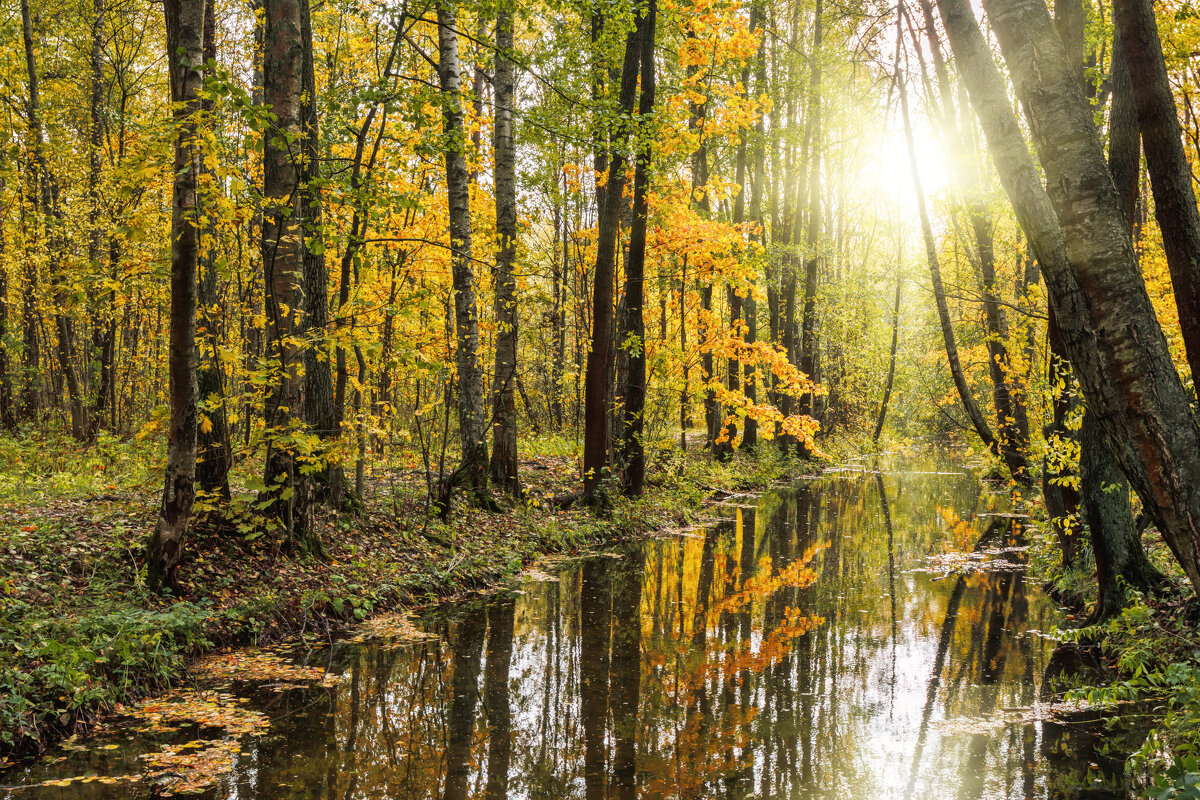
<point>894,170</point>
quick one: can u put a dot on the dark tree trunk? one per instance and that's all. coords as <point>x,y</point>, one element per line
<point>891,373</point>
<point>1109,327</point>
<point>1109,516</point>
<point>733,294</point>
<point>283,262</point>
<point>8,411</point>
<point>939,291</point>
<point>319,412</point>
<point>1170,172</point>
<point>213,455</point>
<point>1012,444</point>
<point>185,55</point>
<point>633,328</point>
<point>808,322</point>
<point>504,376</point>
<point>102,310</point>
<point>1012,437</point>
<point>599,360</point>
<point>1107,511</point>
<point>46,204</point>
<point>751,376</point>
<point>472,420</point>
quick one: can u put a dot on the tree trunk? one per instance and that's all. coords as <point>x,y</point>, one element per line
<point>46,203</point>
<point>558,323</point>
<point>504,376</point>
<point>1109,516</point>
<point>1109,328</point>
<point>1170,172</point>
<point>634,328</point>
<point>185,54</point>
<point>102,328</point>
<point>1105,491</point>
<point>891,373</point>
<point>213,457</point>
<point>472,421</point>
<point>319,412</point>
<point>750,377</point>
<point>283,263</point>
<point>595,428</point>
<point>939,291</point>
<point>8,411</point>
<point>1012,438</point>
<point>808,322</point>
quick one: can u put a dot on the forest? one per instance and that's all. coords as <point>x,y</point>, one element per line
<point>312,310</point>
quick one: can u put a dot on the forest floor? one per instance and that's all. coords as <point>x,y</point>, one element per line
<point>80,632</point>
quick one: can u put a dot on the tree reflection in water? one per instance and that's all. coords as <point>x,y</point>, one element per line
<point>801,648</point>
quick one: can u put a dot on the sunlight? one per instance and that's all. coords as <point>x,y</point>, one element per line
<point>892,163</point>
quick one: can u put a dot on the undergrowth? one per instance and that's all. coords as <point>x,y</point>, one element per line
<point>80,634</point>
<point>1152,652</point>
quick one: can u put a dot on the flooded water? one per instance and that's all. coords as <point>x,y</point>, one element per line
<point>817,642</point>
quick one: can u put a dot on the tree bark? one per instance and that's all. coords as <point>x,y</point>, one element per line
<point>1012,443</point>
<point>319,412</point>
<point>1062,499</point>
<point>185,54</point>
<point>504,376</point>
<point>750,377</point>
<point>213,456</point>
<point>595,427</point>
<point>472,421</point>
<point>1120,557</point>
<point>1109,328</point>
<point>1105,491</point>
<point>283,262</point>
<point>634,328</point>
<point>1170,172</point>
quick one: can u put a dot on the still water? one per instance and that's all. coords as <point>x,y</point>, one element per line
<point>868,634</point>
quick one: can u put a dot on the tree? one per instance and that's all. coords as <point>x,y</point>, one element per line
<point>599,360</point>
<point>633,329</point>
<point>1109,329</point>
<point>213,457</point>
<point>288,468</point>
<point>504,376</point>
<point>47,203</point>
<point>1170,172</point>
<point>808,322</point>
<point>472,422</point>
<point>185,56</point>
<point>935,272</point>
<point>1116,544</point>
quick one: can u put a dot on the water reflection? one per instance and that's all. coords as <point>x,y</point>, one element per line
<point>799,648</point>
